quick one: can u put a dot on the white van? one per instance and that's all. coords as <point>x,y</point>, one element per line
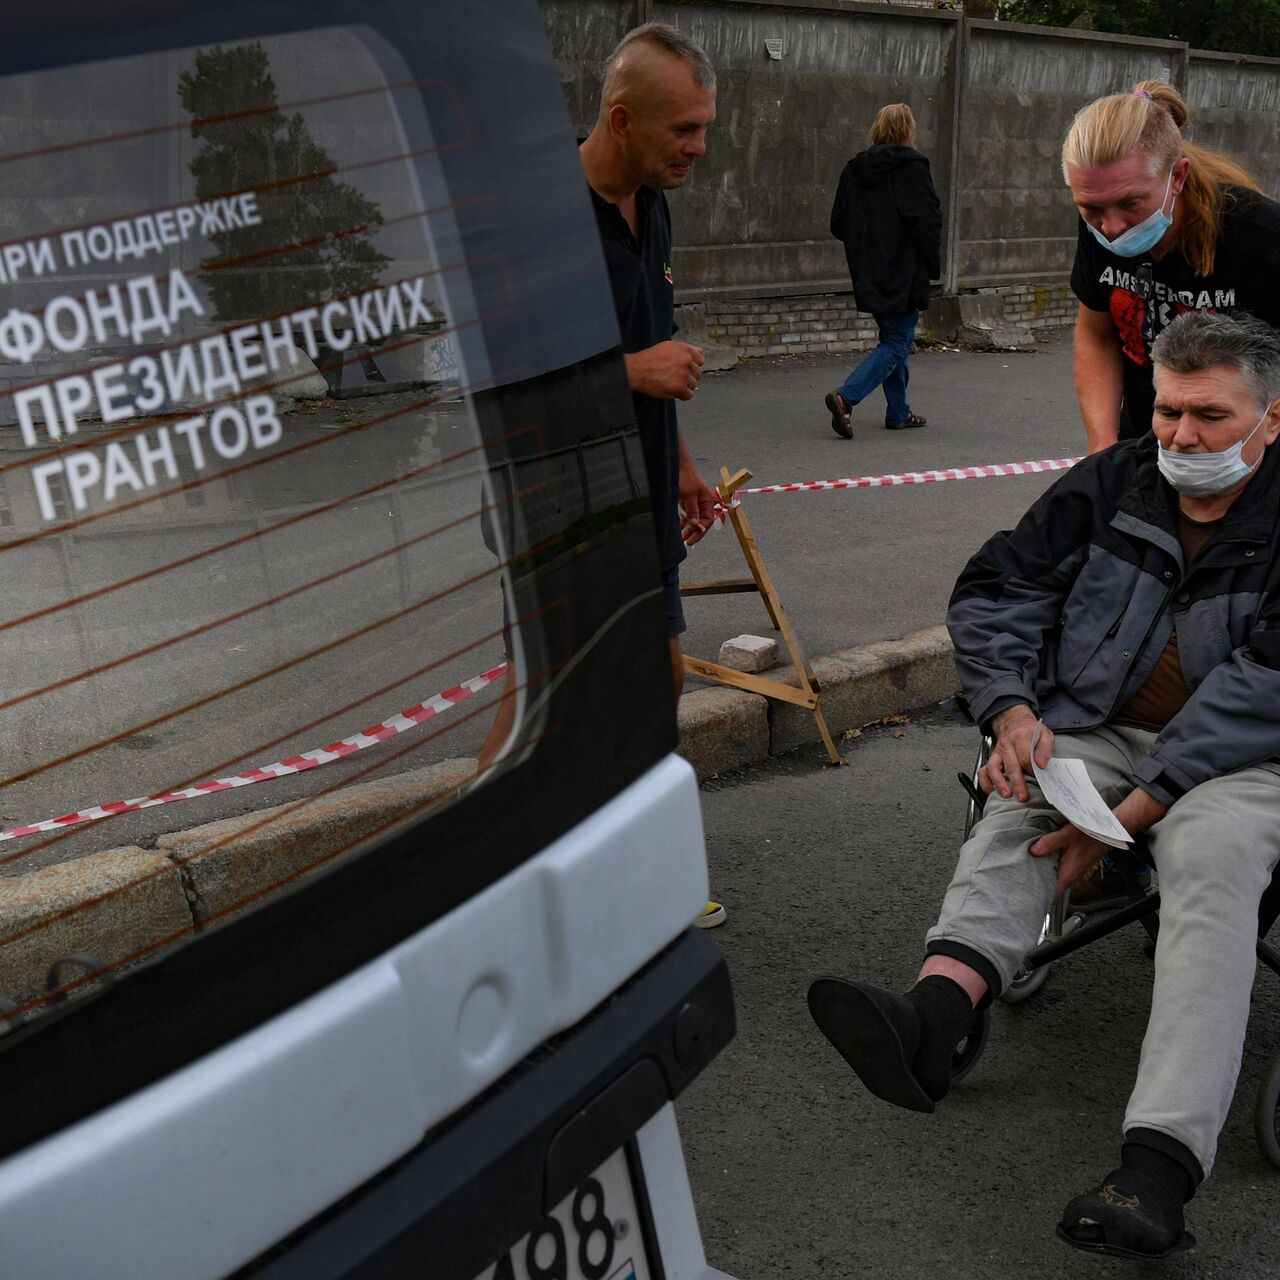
<point>315,443</point>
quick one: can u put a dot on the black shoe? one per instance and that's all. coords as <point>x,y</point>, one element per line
<point>840,422</point>
<point>1129,1216</point>
<point>877,1034</point>
<point>911,420</point>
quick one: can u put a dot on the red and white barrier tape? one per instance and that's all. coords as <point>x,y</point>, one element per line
<point>300,763</point>
<point>442,702</point>
<point>914,477</point>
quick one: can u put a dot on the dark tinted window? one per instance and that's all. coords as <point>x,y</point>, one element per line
<point>312,422</point>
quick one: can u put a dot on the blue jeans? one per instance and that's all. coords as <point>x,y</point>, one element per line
<point>887,364</point>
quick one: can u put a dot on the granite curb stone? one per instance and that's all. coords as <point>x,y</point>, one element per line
<point>723,729</point>
<point>228,863</point>
<point>113,905</point>
<point>719,727</point>
<point>862,685</point>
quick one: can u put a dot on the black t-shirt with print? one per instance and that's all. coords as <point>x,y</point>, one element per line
<point>644,297</point>
<point>1143,296</point>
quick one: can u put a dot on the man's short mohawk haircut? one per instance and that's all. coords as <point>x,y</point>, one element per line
<point>661,35</point>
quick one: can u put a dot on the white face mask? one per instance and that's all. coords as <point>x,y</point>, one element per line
<point>1201,475</point>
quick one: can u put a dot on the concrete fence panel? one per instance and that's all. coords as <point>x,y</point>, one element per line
<point>582,35</point>
<point>757,212</point>
<point>1235,103</point>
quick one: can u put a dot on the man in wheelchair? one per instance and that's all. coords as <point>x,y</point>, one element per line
<point>1133,619</point>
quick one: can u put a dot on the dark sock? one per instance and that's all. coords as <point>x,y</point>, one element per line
<point>1168,1172</point>
<point>945,1013</point>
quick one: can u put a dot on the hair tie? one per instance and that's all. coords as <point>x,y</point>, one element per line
<point>1140,93</point>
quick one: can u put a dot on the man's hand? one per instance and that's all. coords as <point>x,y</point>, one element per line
<point>697,501</point>
<point>1010,758</point>
<point>1078,853</point>
<point>668,371</point>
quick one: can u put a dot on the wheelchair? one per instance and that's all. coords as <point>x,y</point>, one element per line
<point>1068,927</point>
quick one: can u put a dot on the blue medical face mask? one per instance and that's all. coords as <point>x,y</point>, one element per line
<point>1201,475</point>
<point>1143,237</point>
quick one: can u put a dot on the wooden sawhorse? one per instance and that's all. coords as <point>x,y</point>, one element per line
<point>809,694</point>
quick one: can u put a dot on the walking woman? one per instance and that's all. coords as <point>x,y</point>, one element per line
<point>887,214</point>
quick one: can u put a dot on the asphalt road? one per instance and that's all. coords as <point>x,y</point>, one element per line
<point>797,1171</point>
<point>854,566</point>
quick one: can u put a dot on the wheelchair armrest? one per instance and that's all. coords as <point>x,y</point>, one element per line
<point>973,791</point>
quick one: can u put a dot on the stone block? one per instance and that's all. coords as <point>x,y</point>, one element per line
<point>228,863</point>
<point>717,358</point>
<point>116,905</point>
<point>722,729</point>
<point>985,323</point>
<point>297,378</point>
<point>440,361</point>
<point>749,653</point>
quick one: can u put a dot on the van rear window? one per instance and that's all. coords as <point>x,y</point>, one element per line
<point>253,546</point>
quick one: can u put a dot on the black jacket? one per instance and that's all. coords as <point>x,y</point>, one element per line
<point>1070,612</point>
<point>887,213</point>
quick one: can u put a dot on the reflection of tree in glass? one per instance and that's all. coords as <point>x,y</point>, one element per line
<point>327,223</point>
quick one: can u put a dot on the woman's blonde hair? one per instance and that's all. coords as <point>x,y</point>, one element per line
<point>893,124</point>
<point>1149,119</point>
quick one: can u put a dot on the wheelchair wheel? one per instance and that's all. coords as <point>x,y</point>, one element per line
<point>1266,1114</point>
<point>1026,982</point>
<point>969,1050</point>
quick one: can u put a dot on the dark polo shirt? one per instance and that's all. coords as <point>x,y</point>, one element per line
<point>643,296</point>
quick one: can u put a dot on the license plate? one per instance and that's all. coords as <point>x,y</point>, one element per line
<point>593,1234</point>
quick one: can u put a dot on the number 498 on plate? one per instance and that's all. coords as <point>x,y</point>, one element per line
<point>593,1234</point>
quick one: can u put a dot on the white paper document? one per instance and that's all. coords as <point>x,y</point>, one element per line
<point>1066,785</point>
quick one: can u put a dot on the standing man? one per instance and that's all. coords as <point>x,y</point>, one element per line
<point>658,100</point>
<point>1166,226</point>
<point>887,214</point>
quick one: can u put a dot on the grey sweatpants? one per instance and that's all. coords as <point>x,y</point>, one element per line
<point>1214,852</point>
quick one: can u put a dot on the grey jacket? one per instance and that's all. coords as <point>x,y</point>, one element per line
<point>1071,610</point>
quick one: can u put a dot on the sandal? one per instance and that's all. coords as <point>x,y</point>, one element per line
<point>1128,1216</point>
<point>911,420</point>
<point>840,420</point>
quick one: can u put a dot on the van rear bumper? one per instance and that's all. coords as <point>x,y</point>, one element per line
<point>484,1179</point>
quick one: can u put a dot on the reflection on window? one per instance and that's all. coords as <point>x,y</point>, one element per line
<point>243,500</point>
<point>314,234</point>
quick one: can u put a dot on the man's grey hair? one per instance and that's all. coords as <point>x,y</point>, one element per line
<point>661,35</point>
<point>1199,340</point>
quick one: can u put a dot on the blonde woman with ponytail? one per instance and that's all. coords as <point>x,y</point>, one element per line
<point>1166,226</point>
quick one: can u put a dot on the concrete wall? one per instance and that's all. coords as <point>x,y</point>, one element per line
<point>1234,104</point>
<point>757,212</point>
<point>993,101</point>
